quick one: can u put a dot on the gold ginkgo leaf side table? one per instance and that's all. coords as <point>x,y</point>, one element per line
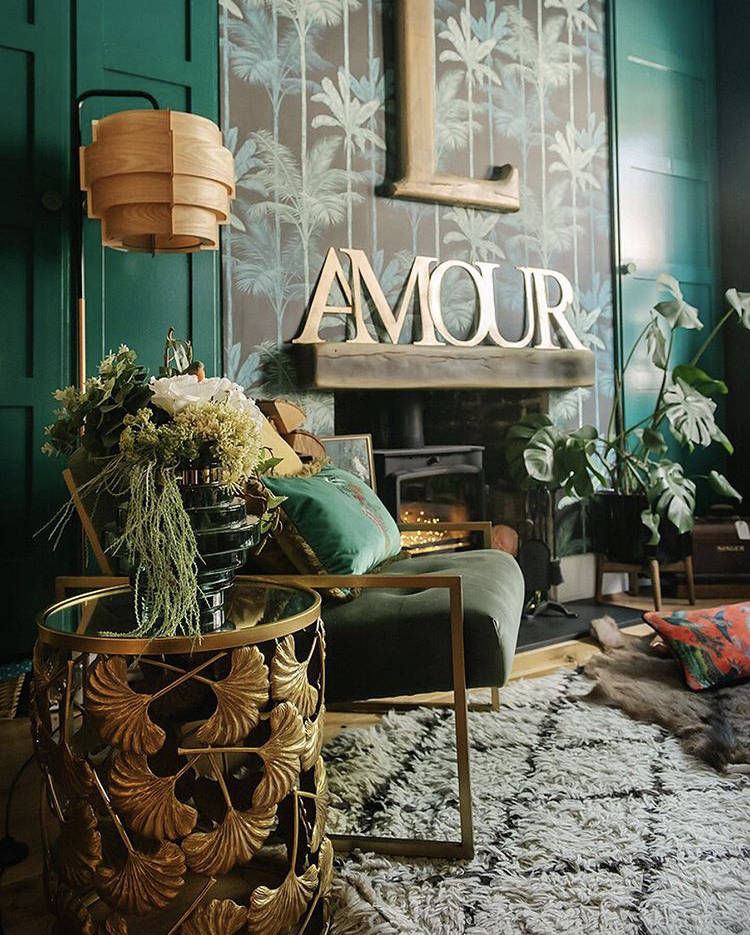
<point>184,791</point>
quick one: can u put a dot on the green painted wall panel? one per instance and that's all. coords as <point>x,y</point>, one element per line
<point>169,48</point>
<point>34,308</point>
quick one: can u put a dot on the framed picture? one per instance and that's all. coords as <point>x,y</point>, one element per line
<point>352,453</point>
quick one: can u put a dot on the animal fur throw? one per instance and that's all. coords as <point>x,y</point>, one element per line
<point>713,725</point>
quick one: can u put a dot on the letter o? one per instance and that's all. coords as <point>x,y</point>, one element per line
<point>436,281</point>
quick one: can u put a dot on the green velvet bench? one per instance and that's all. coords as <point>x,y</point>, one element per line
<point>396,641</point>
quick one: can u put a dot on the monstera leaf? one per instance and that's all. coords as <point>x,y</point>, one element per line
<point>121,714</point>
<point>691,416</point>
<point>239,836</point>
<point>719,484</point>
<point>313,740</point>
<point>700,380</point>
<point>238,699</point>
<point>219,917</point>
<point>289,678</point>
<point>273,911</point>
<point>144,882</point>
<point>656,344</point>
<point>148,802</point>
<point>670,494</point>
<point>281,755</point>
<point>676,311</point>
<point>79,846</point>
<point>321,805</point>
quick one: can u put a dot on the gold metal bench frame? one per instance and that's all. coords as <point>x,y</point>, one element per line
<point>406,847</point>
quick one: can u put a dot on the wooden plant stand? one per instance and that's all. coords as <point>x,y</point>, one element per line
<point>652,568</point>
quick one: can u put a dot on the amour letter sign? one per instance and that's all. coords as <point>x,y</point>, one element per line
<point>436,358</point>
<point>424,285</point>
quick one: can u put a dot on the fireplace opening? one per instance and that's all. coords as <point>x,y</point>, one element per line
<point>429,486</point>
<point>429,514</point>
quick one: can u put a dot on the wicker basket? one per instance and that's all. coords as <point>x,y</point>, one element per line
<point>12,677</point>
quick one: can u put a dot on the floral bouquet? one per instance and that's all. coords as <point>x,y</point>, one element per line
<point>142,436</point>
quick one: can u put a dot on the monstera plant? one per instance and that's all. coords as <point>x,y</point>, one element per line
<point>632,459</point>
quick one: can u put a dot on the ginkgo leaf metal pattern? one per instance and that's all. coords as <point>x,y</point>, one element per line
<point>321,806</point>
<point>234,841</point>
<point>121,713</point>
<point>280,755</point>
<point>239,698</point>
<point>273,911</point>
<point>289,680</point>
<point>156,803</point>
<point>219,917</point>
<point>148,802</point>
<point>79,847</point>
<point>145,881</point>
<point>325,867</point>
<point>114,924</point>
<point>313,740</point>
<point>71,913</point>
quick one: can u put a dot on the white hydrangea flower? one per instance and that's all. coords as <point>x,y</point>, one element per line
<point>174,393</point>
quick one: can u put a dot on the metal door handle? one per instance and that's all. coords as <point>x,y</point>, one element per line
<point>627,269</point>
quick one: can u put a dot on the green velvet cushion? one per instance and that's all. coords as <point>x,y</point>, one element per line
<point>397,641</point>
<point>345,528</point>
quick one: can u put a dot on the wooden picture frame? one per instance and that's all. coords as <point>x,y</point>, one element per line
<point>353,453</point>
<point>420,180</point>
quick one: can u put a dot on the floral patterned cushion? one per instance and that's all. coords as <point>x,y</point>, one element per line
<point>712,645</point>
<point>334,524</point>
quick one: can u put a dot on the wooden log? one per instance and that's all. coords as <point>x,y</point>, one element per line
<point>343,366</point>
<point>285,415</point>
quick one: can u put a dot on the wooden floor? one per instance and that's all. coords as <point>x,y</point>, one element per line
<point>22,908</point>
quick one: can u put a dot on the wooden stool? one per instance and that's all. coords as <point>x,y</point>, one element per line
<point>652,568</point>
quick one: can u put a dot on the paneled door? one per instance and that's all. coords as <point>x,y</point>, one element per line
<point>169,49</point>
<point>50,51</point>
<point>34,307</point>
<point>664,139</point>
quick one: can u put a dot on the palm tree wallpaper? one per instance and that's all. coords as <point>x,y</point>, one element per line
<point>309,112</point>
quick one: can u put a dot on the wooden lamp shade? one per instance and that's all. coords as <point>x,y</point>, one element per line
<point>160,181</point>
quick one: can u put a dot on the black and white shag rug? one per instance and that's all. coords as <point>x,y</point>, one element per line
<point>586,823</point>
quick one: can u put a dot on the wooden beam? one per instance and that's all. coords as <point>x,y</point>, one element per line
<point>345,366</point>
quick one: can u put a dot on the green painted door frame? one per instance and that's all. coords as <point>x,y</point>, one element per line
<point>664,173</point>
<point>50,51</point>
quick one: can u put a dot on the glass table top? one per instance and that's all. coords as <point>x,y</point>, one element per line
<point>256,609</point>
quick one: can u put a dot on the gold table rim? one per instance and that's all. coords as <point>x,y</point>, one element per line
<point>123,645</point>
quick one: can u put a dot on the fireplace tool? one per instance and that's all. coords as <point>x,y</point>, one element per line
<point>540,566</point>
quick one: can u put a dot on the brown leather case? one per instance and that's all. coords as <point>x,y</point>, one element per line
<point>720,549</point>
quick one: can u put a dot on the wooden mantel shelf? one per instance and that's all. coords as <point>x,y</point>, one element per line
<point>344,366</point>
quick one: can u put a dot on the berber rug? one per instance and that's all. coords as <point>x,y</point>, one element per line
<point>586,823</point>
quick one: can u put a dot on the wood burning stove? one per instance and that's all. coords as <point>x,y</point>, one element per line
<point>430,484</point>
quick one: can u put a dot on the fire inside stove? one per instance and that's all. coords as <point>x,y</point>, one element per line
<point>431,538</point>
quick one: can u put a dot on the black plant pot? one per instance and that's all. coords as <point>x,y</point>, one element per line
<point>223,534</point>
<point>620,536</point>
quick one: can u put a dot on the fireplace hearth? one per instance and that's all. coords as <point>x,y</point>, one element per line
<point>427,485</point>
